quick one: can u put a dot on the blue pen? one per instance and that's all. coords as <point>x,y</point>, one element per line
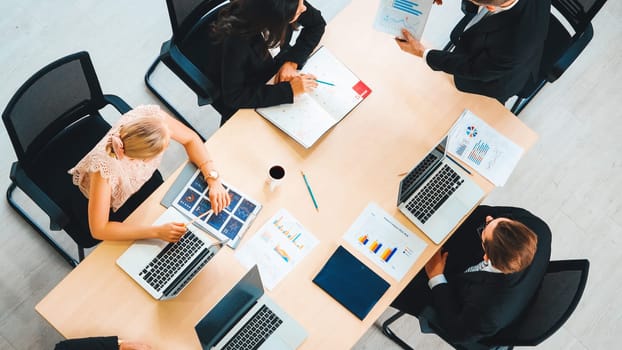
<point>304,177</point>
<point>458,164</point>
<point>324,82</point>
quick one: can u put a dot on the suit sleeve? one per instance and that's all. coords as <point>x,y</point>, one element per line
<point>94,343</point>
<point>487,65</point>
<point>237,92</point>
<point>313,28</point>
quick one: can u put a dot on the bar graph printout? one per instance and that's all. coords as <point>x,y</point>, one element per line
<point>385,241</point>
<point>395,15</point>
<point>277,247</point>
<point>480,146</point>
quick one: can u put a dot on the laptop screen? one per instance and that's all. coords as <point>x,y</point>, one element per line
<point>231,308</point>
<point>442,146</point>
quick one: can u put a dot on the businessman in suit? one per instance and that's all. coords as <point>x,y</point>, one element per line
<point>497,49</point>
<point>100,343</point>
<point>484,277</point>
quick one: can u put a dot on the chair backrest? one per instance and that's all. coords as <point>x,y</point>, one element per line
<point>579,13</point>
<point>56,96</point>
<point>186,14</point>
<point>558,296</point>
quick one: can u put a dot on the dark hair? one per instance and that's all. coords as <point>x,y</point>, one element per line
<point>247,18</point>
<point>512,246</point>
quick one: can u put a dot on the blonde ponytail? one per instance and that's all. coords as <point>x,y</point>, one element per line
<point>141,138</point>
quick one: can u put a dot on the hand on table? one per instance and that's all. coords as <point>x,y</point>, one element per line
<point>219,197</point>
<point>436,265</point>
<point>410,44</point>
<point>287,72</point>
<point>303,83</point>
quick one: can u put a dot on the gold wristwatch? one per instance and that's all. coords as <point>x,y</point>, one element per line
<point>212,175</point>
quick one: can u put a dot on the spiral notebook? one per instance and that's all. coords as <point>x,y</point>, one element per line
<point>351,283</point>
<point>313,114</point>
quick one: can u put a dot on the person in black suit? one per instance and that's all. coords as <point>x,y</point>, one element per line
<point>497,51</point>
<point>100,343</point>
<point>481,282</point>
<point>244,39</point>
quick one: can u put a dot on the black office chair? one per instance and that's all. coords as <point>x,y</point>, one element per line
<point>558,296</point>
<point>190,21</point>
<point>561,48</point>
<point>53,120</point>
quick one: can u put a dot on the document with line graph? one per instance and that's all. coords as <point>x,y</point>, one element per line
<point>277,247</point>
<point>395,15</point>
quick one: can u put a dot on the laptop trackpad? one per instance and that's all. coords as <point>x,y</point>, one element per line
<point>275,343</point>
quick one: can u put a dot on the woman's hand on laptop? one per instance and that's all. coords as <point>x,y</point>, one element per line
<point>171,232</point>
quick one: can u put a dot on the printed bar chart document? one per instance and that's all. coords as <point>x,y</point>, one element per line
<point>480,146</point>
<point>276,248</point>
<point>385,241</point>
<point>395,15</point>
<point>312,114</point>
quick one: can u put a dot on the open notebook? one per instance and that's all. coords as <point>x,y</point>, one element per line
<point>312,114</point>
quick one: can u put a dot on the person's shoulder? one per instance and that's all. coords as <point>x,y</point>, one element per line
<point>238,40</point>
<point>312,16</point>
<point>240,46</point>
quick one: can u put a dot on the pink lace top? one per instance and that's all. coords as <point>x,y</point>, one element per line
<point>125,176</point>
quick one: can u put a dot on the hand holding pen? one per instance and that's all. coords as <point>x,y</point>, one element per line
<point>303,83</point>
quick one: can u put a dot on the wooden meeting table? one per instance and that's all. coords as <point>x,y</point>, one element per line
<point>358,161</point>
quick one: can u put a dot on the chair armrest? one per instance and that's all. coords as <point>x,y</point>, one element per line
<point>58,218</point>
<point>118,103</point>
<point>577,44</point>
<point>192,76</point>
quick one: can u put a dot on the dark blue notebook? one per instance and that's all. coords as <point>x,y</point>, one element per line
<point>351,283</point>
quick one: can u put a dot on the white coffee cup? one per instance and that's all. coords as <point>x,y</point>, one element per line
<point>276,174</point>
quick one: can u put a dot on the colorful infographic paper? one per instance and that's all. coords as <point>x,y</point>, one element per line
<point>231,223</point>
<point>385,241</point>
<point>277,247</point>
<point>480,146</point>
<point>395,15</point>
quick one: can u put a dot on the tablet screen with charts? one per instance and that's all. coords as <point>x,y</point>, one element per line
<point>231,223</point>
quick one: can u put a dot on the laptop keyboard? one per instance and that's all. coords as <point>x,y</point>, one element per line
<point>425,203</point>
<point>419,170</point>
<point>171,259</point>
<point>256,330</point>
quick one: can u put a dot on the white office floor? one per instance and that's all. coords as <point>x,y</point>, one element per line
<point>571,178</point>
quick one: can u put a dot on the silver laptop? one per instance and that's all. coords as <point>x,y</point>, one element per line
<point>245,318</point>
<point>437,193</point>
<point>164,269</point>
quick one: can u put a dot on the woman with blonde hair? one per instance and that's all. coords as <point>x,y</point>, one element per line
<point>121,171</point>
